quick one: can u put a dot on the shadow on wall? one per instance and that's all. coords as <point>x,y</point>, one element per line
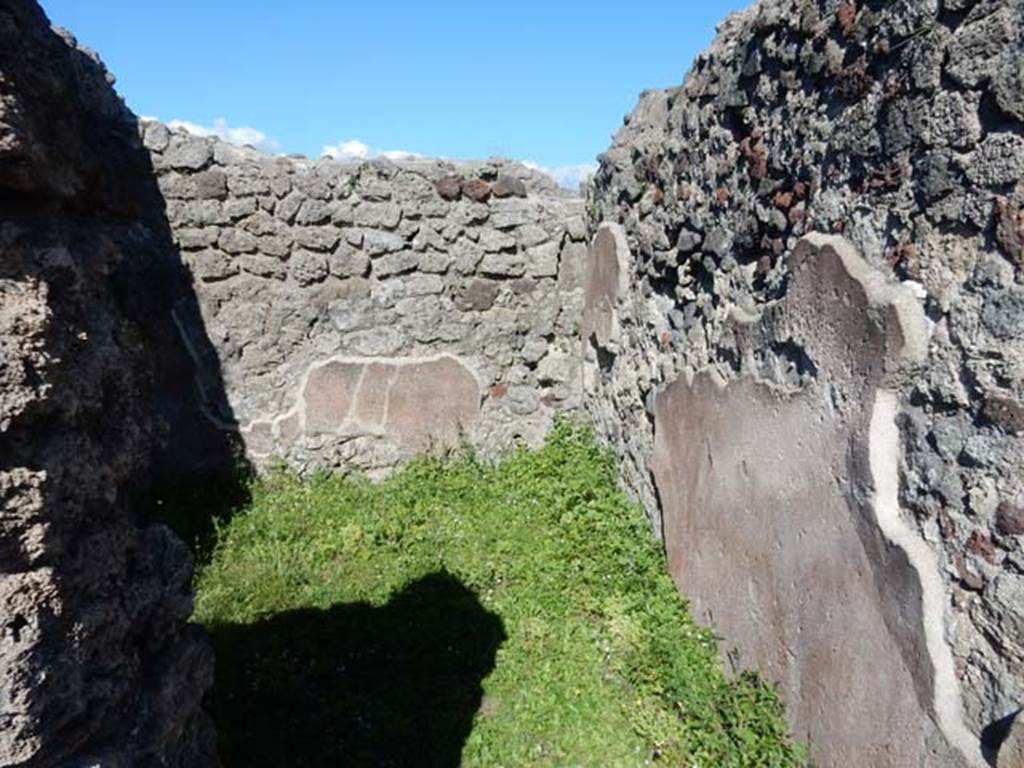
<point>1002,740</point>
<point>98,405</point>
<point>201,475</point>
<point>354,684</point>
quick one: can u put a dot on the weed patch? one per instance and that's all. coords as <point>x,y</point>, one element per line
<point>459,612</point>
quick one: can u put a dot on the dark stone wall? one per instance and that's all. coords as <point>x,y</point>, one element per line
<point>897,126</point>
<point>97,662</point>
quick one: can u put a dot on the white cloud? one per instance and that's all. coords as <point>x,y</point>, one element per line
<point>358,150</point>
<point>568,176</point>
<point>241,136</point>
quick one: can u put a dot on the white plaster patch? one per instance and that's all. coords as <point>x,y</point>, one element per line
<point>884,447</point>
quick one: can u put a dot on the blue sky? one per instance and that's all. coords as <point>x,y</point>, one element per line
<point>541,81</point>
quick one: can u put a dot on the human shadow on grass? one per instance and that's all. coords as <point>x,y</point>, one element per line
<point>356,685</point>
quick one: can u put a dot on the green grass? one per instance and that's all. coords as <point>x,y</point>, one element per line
<point>516,614</point>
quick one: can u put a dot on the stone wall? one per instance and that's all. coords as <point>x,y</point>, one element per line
<point>166,298</point>
<point>97,663</point>
<point>361,312</point>
<point>840,481</point>
<point>802,321</point>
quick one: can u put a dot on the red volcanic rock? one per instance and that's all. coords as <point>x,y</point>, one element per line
<point>1010,519</point>
<point>477,190</point>
<point>450,187</point>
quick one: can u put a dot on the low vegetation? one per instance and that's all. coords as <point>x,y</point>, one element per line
<point>462,612</point>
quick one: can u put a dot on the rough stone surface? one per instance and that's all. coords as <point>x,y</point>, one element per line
<point>1010,519</point>
<point>97,663</point>
<point>508,186</point>
<point>1011,751</point>
<point>398,262</point>
<point>835,427</point>
<point>897,126</point>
